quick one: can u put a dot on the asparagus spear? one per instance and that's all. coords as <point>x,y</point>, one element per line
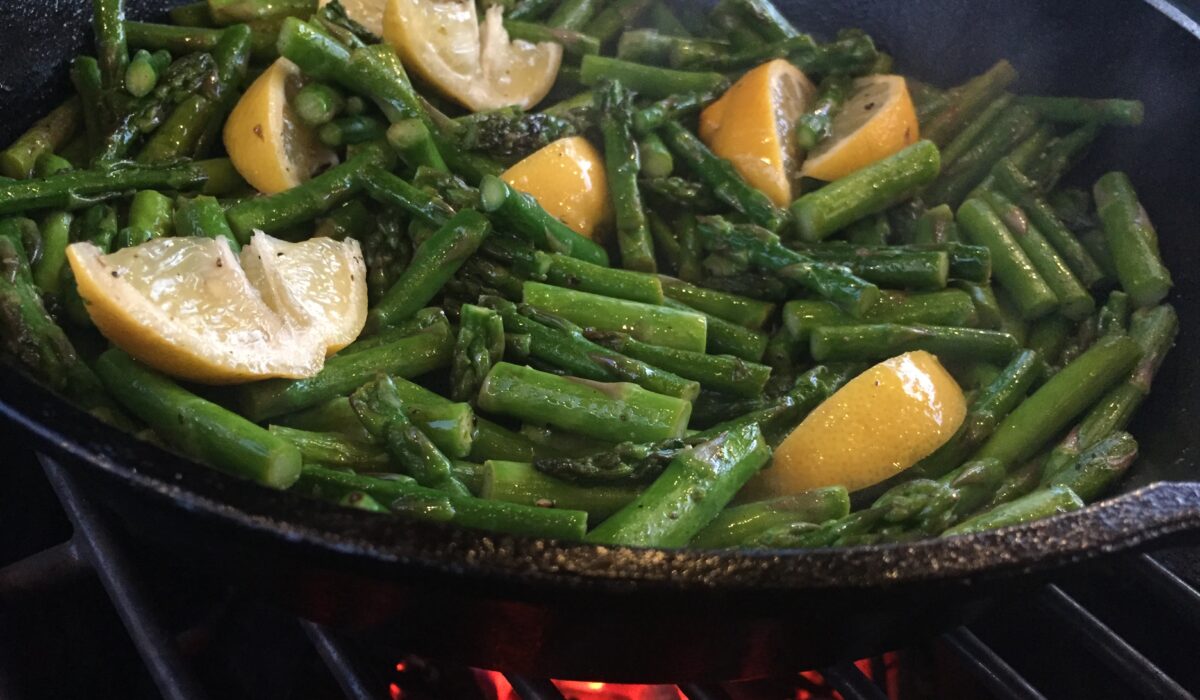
<point>1098,467</point>
<point>615,105</point>
<point>727,338</point>
<point>197,427</point>
<point>181,40</point>
<point>737,525</point>
<point>1060,400</point>
<point>1078,110</point>
<point>564,271</point>
<point>669,513</point>
<point>890,267</point>
<point>725,373</point>
<point>936,226</point>
<point>881,341</point>
<point>407,357</point>
<point>606,411</point>
<point>1011,266</point>
<point>653,324</point>
<point>762,16</point>
<point>434,262</point>
<point>520,482</point>
<point>573,14</point>
<point>1036,506</point>
<point>968,101</point>
<point>1154,331</point>
<point>678,192</point>
<point>956,182</point>
<point>816,125</point>
<point>625,464</point>
<point>307,201</point>
<point>520,214</point>
<point>727,185</point>
<point>649,81</point>
<point>610,20</point>
<point>1132,240</point>
<point>1023,191</point>
<point>333,449</point>
<point>574,42</point>
<point>47,135</point>
<point>990,406</point>
<point>831,282</point>
<point>479,347</point>
<point>82,188</point>
<point>974,129</point>
<point>751,313</point>
<point>950,307</point>
<point>1061,154</point>
<point>405,497</point>
<point>1074,301</point>
<point>653,116</point>
<point>866,191</point>
<point>381,408</point>
<point>562,344</point>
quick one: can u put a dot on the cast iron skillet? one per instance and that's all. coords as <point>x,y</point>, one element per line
<point>577,611</point>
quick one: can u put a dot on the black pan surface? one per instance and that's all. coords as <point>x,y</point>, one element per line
<point>568,610</point>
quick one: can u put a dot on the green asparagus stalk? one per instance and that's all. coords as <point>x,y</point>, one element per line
<point>407,357</point>
<point>318,104</point>
<point>197,427</point>
<point>726,373</point>
<point>613,18</point>
<point>1154,332</point>
<point>144,70</point>
<point>720,176</point>
<point>613,412</point>
<point>56,236</point>
<point>47,135</point>
<point>816,125</point>
<point>349,131</point>
<point>649,81</point>
<point>1078,110</point>
<point>1060,155</point>
<point>564,271</point>
<point>434,262</point>
<point>82,188</point>
<point>974,129</point>
<point>743,311</point>
<point>333,450</point>
<point>479,347</point>
<point>1048,337</point>
<point>573,41</point>
<point>831,282</point>
<point>204,217</point>
<point>881,341</point>
<point>1036,506</point>
<point>684,194</point>
<point>573,14</point>
<point>1074,301</point>
<point>954,184</point>
<point>936,226</point>
<point>653,116</point>
<point>381,408</point>
<point>1011,265</point>
<point>520,214</point>
<point>1131,238</point>
<point>405,497</point>
<point>520,482</point>
<point>726,338</point>
<point>866,191</point>
<point>654,158</point>
<point>615,105</point>
<point>624,464</point>
<point>1060,400</point>
<point>659,325</point>
<point>1097,468</point>
<point>950,308</point>
<point>991,406</point>
<point>1113,317</point>
<point>1023,191</point>
<point>762,16</point>
<point>667,513</point>
<point>968,101</point>
<point>890,267</point>
<point>562,344</point>
<point>307,201</point>
<point>388,189</point>
<point>988,313</point>
<point>737,525</point>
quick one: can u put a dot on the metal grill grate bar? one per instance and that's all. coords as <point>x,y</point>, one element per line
<point>1001,680</point>
<point>1137,670</point>
<point>354,683</point>
<point>171,676</point>
<point>534,688</point>
<point>1178,594</point>
<point>852,684</point>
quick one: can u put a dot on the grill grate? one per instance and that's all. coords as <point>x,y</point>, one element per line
<point>96,548</point>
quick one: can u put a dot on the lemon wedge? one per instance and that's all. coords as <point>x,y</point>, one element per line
<point>876,121</point>
<point>269,146</point>
<point>568,179</point>
<point>753,123</point>
<point>319,284</point>
<point>880,423</point>
<point>474,64</point>
<point>186,306</point>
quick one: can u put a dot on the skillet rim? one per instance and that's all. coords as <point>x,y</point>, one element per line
<point>396,546</point>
